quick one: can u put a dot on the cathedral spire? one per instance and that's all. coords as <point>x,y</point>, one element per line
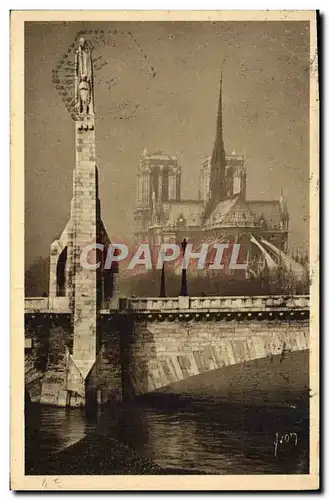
<point>217,168</point>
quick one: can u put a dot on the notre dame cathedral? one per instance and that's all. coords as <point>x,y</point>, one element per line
<point>220,214</point>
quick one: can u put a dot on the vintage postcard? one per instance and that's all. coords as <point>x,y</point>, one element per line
<point>165,250</point>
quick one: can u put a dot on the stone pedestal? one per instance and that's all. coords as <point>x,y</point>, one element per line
<point>83,282</point>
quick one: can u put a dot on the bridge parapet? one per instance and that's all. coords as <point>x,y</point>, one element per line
<point>195,304</point>
<point>171,339</point>
<point>235,305</point>
<point>46,305</point>
<point>150,303</point>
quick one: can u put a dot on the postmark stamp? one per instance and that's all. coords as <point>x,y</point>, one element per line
<point>111,71</point>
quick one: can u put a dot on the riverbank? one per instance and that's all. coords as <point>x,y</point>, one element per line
<point>99,455</point>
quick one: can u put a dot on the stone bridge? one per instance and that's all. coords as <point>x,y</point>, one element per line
<point>81,348</point>
<point>147,343</point>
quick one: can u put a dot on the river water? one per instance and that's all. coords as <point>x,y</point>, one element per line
<point>184,432</point>
<point>251,418</point>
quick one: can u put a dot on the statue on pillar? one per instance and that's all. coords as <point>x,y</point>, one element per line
<point>84,80</point>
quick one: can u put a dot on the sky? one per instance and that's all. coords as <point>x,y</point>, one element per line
<point>156,87</point>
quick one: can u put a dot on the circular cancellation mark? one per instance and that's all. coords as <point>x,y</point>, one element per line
<point>118,60</point>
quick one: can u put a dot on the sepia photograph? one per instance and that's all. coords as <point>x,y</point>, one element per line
<point>165,178</point>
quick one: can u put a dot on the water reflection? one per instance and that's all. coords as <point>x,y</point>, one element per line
<point>49,429</point>
<point>209,436</point>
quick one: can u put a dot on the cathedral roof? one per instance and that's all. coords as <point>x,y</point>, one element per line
<point>232,211</point>
<point>269,211</point>
<point>191,210</point>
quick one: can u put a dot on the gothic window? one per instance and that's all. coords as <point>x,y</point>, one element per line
<point>178,187</point>
<point>154,182</point>
<point>165,185</point>
<point>181,221</point>
<point>60,274</point>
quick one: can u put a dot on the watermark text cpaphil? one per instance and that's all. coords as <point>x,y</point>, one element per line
<point>213,257</point>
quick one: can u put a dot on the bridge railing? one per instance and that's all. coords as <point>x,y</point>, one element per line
<point>32,304</point>
<point>141,304</point>
<point>46,304</point>
<point>150,303</point>
<point>243,303</point>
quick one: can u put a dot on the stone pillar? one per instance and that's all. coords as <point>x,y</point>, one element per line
<point>236,181</point>
<point>207,184</point>
<point>147,185</point>
<point>142,185</point>
<point>83,282</point>
<point>178,185</point>
<point>172,185</point>
<point>243,183</point>
<point>145,180</point>
<point>201,185</point>
<point>72,377</point>
<point>160,189</point>
<point>138,189</point>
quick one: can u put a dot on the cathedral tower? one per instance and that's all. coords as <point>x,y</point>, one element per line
<point>236,176</point>
<point>158,181</point>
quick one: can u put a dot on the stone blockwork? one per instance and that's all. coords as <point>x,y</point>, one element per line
<point>84,216</point>
<point>79,350</point>
<point>150,343</point>
<point>52,377</point>
<point>234,304</point>
<point>48,340</point>
<point>158,353</point>
<point>105,378</point>
<point>73,288</point>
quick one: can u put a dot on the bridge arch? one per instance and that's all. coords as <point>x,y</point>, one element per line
<point>182,349</point>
